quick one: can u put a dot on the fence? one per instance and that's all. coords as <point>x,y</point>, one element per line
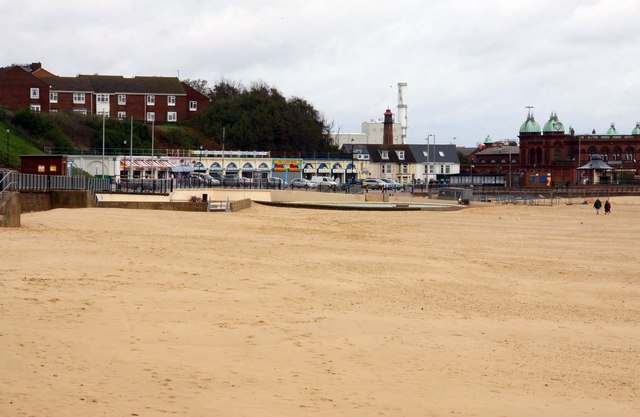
<point>15,181</point>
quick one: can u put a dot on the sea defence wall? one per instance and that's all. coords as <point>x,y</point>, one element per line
<point>10,209</point>
<point>15,203</point>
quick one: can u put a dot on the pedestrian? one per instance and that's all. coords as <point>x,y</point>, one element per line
<point>607,207</point>
<point>596,205</point>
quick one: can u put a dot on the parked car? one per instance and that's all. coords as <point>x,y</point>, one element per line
<point>276,182</point>
<point>200,179</point>
<point>374,184</point>
<point>234,180</point>
<point>392,184</point>
<point>324,182</point>
<point>302,183</point>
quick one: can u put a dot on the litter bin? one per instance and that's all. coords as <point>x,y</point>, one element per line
<point>204,197</point>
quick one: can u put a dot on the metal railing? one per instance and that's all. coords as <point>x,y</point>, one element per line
<point>15,181</point>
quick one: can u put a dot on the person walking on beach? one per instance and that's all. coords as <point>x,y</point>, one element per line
<point>596,205</point>
<point>607,207</point>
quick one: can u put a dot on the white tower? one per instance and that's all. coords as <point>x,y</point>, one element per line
<point>402,111</point>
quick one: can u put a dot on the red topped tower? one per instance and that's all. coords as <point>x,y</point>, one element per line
<point>387,132</point>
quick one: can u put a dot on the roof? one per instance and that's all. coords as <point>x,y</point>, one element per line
<point>500,150</point>
<point>530,125</point>
<point>117,84</point>
<point>437,153</point>
<point>553,124</point>
<point>375,153</point>
<point>596,162</point>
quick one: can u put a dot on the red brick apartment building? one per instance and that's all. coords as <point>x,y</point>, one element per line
<point>159,99</point>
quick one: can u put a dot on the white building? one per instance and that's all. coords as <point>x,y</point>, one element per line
<point>371,134</point>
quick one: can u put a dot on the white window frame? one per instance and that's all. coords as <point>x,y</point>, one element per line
<point>102,98</point>
<point>384,154</point>
<point>172,116</point>
<point>122,115</point>
<point>34,92</point>
<point>405,168</point>
<point>401,155</point>
<point>171,100</point>
<point>79,98</point>
<point>151,100</point>
<point>151,116</point>
<point>35,108</point>
<point>53,97</point>
<point>81,111</point>
<point>193,106</point>
<point>122,99</point>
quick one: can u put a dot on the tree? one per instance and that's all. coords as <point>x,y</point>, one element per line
<point>260,117</point>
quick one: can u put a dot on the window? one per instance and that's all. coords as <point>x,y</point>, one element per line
<point>171,100</point>
<point>441,154</point>
<point>122,115</point>
<point>151,100</point>
<point>629,154</point>
<point>384,154</point>
<point>405,168</point>
<point>122,99</point>
<point>447,169</point>
<point>35,107</point>
<point>34,92</point>
<point>401,155</point>
<point>193,106</point>
<point>102,98</point>
<point>53,97</point>
<point>172,116</point>
<point>78,98</point>
<point>81,111</point>
<point>151,116</point>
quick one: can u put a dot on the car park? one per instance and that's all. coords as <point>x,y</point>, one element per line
<point>302,183</point>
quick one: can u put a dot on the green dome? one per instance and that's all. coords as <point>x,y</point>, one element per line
<point>636,130</point>
<point>612,130</point>
<point>553,125</point>
<point>488,139</point>
<point>530,125</point>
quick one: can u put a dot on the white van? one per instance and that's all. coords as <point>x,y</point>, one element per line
<point>324,181</point>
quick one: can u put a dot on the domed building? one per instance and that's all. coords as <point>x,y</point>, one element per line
<point>551,155</point>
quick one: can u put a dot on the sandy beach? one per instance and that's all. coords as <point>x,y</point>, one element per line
<point>494,310</point>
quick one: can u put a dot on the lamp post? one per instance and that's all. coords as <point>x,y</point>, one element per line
<point>471,181</point>
<point>353,167</point>
<point>131,150</point>
<point>8,130</point>
<point>103,135</point>
<point>200,160</point>
<point>429,136</point>
<point>153,138</point>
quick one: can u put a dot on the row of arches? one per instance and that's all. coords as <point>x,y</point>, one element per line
<point>249,167</point>
<point>540,156</point>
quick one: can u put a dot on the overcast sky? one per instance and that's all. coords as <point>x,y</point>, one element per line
<point>471,66</point>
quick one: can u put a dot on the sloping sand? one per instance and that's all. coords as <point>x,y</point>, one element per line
<point>489,311</point>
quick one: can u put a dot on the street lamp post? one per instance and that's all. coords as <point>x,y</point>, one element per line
<point>353,167</point>
<point>8,130</point>
<point>131,150</point>
<point>104,115</point>
<point>429,136</point>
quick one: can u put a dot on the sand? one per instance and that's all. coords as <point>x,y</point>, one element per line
<point>490,311</point>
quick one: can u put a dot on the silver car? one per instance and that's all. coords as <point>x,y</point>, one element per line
<point>302,183</point>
